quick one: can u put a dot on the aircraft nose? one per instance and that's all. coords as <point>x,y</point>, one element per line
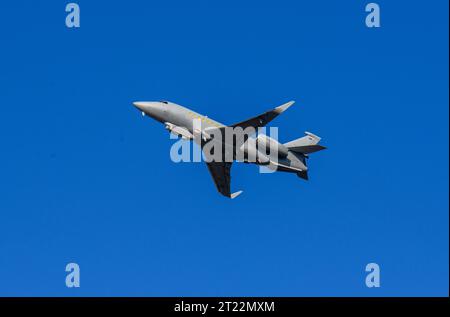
<point>153,109</point>
<point>139,105</point>
<point>143,105</point>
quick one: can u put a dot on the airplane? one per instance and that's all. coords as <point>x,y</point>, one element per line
<point>288,157</point>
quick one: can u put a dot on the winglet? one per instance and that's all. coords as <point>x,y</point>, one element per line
<point>234,195</point>
<point>284,107</point>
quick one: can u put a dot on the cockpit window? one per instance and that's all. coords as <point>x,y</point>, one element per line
<point>163,101</point>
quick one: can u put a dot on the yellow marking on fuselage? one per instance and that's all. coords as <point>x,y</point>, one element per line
<point>204,119</point>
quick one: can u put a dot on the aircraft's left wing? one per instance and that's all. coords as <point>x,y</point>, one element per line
<point>265,118</point>
<point>220,172</point>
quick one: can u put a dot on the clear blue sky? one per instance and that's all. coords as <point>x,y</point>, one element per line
<point>84,178</point>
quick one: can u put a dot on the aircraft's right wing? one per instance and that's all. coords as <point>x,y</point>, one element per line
<point>263,119</point>
<point>220,172</point>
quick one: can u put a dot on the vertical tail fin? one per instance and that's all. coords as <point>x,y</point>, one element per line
<point>305,145</point>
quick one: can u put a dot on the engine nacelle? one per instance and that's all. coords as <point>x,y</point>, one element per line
<point>268,146</point>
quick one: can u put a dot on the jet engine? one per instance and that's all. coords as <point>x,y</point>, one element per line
<point>268,146</point>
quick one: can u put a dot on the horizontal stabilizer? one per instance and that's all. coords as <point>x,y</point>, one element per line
<point>307,149</point>
<point>303,174</point>
<point>279,166</point>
